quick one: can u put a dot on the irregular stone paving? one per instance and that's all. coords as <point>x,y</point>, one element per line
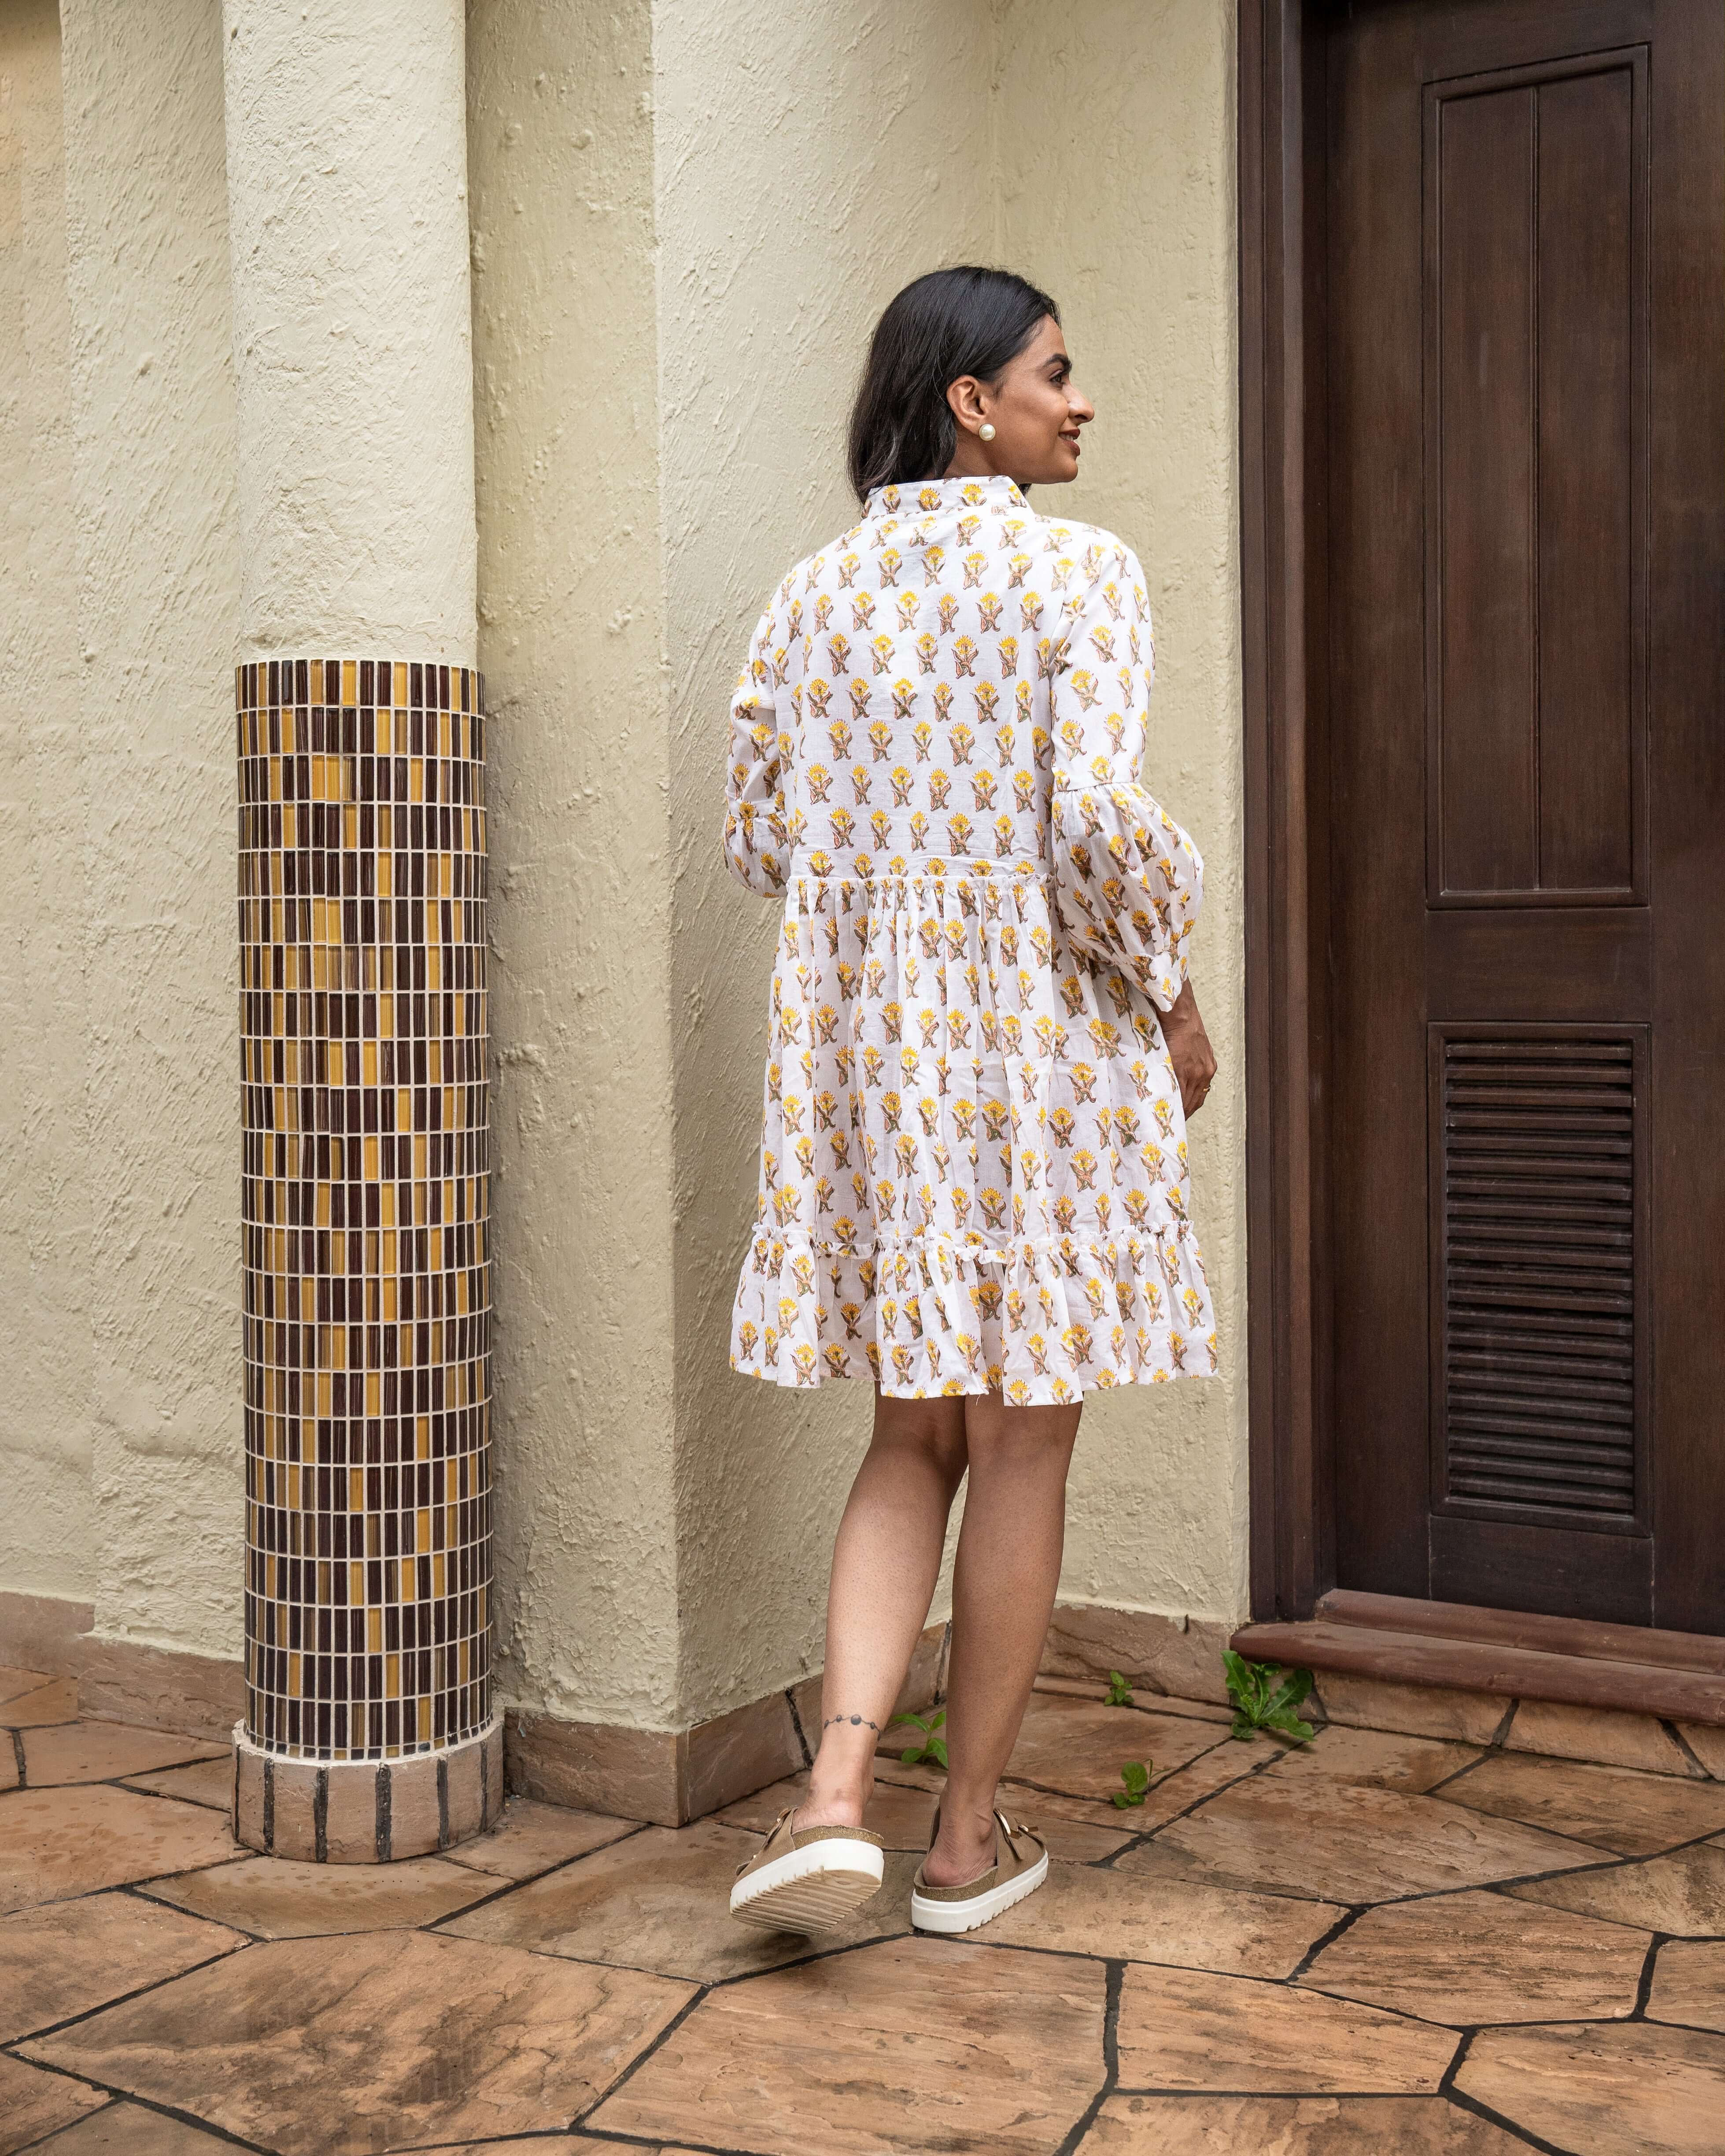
<point>1384,1944</point>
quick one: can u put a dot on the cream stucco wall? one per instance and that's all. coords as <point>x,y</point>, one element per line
<point>157,595</point>
<point>572,643</point>
<point>346,162</point>
<point>652,454</point>
<point>865,159</point>
<point>683,222</point>
<point>1114,147</point>
<point>46,1422</point>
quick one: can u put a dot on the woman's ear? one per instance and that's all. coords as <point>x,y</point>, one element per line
<point>965,398</point>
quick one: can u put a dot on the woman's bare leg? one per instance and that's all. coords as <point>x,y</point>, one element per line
<point>1003,1583</point>
<point>886,1561</point>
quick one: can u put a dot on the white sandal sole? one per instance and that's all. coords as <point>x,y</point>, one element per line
<point>810,1890</point>
<point>965,1915</point>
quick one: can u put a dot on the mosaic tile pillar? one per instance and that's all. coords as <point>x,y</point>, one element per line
<point>369,1731</point>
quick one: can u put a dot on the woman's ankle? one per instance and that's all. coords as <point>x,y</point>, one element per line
<point>963,1848</point>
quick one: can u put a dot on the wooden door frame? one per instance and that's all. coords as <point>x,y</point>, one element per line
<point>1280,362</point>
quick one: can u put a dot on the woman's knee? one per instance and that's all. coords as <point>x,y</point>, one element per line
<point>933,1429</point>
<point>998,1436</point>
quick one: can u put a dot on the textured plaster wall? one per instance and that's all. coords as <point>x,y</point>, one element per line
<point>347,207</point>
<point>571,640</point>
<point>1115,150</point>
<point>151,908</point>
<point>813,157</point>
<point>47,1405</point>
<point>685,223</point>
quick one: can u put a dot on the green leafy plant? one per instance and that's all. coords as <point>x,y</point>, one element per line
<point>932,1752</point>
<point>1136,1775</point>
<point>1266,1696</point>
<point>1120,1692</point>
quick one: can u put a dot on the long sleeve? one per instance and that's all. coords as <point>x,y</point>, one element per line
<point>756,841</point>
<point>1128,880</point>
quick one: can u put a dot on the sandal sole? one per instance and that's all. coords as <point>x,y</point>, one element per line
<point>810,1890</point>
<point>966,1915</point>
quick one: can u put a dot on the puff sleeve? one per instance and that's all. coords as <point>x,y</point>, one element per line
<point>1128,881</point>
<point>756,839</point>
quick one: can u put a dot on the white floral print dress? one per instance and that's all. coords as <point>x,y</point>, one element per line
<point>974,1172</point>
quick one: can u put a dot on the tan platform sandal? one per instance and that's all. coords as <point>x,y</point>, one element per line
<point>1019,1867</point>
<point>808,1880</point>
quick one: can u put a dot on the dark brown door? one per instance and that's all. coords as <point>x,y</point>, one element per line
<point>1521,792</point>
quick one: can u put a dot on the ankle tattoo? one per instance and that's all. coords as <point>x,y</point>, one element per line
<point>856,1720</point>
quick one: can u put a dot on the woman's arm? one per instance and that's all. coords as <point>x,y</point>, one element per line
<point>757,842</point>
<point>1128,880</point>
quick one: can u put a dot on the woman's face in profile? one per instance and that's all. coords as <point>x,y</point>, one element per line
<point>1036,409</point>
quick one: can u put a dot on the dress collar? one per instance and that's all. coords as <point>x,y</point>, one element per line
<point>929,496</point>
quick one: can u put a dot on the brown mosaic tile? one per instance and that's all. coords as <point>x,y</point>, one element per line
<point>277,1899</point>
<point>912,2044</point>
<point>1293,2126</point>
<point>103,1751</point>
<point>1466,1959</point>
<point>13,1683</point>
<point>1347,1842</point>
<point>1689,1983</point>
<point>1594,1733</point>
<point>365,1205</point>
<point>1619,2090</point>
<point>56,1700</point>
<point>1614,1808</point>
<point>34,2102</point>
<point>659,1901</point>
<point>1470,1717</point>
<point>427,2039</point>
<point>530,1838</point>
<point>1146,1914</point>
<point>128,2129</point>
<point>66,1958</point>
<point>1185,2028</point>
<point>8,1765</point>
<point>208,1782</point>
<point>59,1842</point>
<point>1377,1756</point>
<point>1682,1893</point>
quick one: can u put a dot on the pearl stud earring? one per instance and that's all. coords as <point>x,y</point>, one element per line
<point>986,431</point>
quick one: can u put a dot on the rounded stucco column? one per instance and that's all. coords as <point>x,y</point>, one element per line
<point>369,1730</point>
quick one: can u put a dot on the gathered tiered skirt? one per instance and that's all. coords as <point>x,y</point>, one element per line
<point>974,1172</point>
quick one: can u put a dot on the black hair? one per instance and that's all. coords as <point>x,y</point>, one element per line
<point>952,322</point>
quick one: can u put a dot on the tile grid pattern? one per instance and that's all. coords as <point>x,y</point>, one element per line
<point>619,2009</point>
<point>365,1205</point>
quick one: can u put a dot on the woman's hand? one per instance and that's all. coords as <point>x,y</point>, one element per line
<point>1189,1050</point>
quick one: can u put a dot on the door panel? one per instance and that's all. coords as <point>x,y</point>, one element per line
<point>1526,1002</point>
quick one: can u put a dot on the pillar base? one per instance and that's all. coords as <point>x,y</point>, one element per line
<point>366,1811</point>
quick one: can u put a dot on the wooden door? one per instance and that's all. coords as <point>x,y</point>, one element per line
<point>1521,795</point>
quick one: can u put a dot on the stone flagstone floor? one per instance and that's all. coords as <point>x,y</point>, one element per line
<point>1383,1944</point>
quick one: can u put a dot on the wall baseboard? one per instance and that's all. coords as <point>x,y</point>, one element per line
<point>122,1680</point>
<point>1180,1657</point>
<point>667,1776</point>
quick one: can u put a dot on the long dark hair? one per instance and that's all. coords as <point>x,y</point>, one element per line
<point>951,322</point>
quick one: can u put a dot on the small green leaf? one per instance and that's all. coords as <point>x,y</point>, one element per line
<point>1120,1692</point>
<point>936,1749</point>
<point>1265,1696</point>
<point>1136,1775</point>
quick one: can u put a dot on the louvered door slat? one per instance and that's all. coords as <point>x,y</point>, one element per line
<point>1535,1328</point>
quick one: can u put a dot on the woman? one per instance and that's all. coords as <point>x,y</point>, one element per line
<point>983,1048</point>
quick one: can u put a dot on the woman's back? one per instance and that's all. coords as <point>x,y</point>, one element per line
<point>974,1161</point>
